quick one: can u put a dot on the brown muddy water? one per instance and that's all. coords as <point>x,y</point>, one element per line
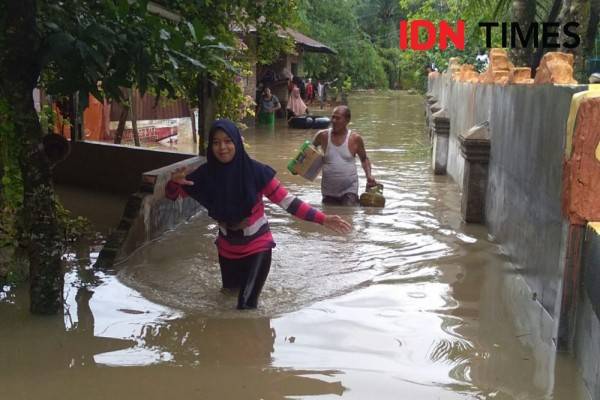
<point>410,305</point>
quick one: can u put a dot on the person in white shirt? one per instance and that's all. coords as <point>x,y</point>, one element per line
<point>483,60</point>
<point>321,92</point>
<point>339,183</point>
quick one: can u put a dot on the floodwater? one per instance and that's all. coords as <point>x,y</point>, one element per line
<point>408,306</point>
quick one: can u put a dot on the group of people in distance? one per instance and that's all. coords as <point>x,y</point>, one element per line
<point>231,186</point>
<point>301,94</point>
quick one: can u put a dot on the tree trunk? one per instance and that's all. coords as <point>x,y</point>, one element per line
<point>576,11</point>
<point>194,128</point>
<point>46,247</point>
<point>19,72</point>
<point>202,115</point>
<point>106,118</point>
<point>552,17</point>
<point>522,12</point>
<point>592,30</point>
<point>2,202</point>
<point>72,118</point>
<point>122,120</point>
<point>134,129</point>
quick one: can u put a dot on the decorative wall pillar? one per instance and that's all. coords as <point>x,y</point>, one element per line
<point>433,108</point>
<point>430,100</point>
<point>475,149</point>
<point>441,141</point>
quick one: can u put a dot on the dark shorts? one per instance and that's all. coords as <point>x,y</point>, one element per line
<point>249,274</point>
<point>348,199</point>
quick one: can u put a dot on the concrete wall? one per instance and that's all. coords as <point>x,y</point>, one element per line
<point>523,208</point>
<point>138,172</point>
<point>148,214</point>
<point>591,268</point>
<point>527,129</point>
<point>111,168</point>
<point>587,332</point>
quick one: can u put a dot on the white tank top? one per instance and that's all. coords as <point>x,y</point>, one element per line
<point>339,169</point>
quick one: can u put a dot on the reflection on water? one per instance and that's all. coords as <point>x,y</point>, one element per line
<point>409,305</point>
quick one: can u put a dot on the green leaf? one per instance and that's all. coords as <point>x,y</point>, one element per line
<point>52,26</point>
<point>163,84</point>
<point>177,41</point>
<point>199,28</point>
<point>220,46</point>
<point>192,30</point>
<point>143,4</point>
<point>59,44</point>
<point>164,34</point>
<point>189,59</point>
<point>122,7</point>
<point>173,61</point>
<point>100,33</point>
<point>226,63</point>
<point>96,56</point>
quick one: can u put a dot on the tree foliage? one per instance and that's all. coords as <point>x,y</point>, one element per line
<point>335,24</point>
<point>365,34</point>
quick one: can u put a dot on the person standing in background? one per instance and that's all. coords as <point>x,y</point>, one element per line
<point>269,103</point>
<point>295,105</point>
<point>310,92</point>
<point>321,92</point>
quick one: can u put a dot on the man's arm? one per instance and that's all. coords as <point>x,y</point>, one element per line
<point>318,139</point>
<point>364,160</point>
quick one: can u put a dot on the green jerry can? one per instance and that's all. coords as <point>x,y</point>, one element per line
<point>373,197</point>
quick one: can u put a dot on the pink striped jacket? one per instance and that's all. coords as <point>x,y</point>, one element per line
<point>255,235</point>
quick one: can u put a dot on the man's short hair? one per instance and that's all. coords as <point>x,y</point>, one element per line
<point>346,111</point>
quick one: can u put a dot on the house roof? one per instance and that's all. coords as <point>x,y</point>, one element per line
<point>309,44</point>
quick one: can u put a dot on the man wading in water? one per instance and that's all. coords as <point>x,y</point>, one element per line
<point>339,184</point>
<point>231,186</point>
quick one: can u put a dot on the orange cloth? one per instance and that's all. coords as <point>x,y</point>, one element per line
<point>93,119</point>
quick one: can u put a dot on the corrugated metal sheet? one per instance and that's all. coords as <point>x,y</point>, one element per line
<point>165,109</point>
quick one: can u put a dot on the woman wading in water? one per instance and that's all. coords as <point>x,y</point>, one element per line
<point>231,186</point>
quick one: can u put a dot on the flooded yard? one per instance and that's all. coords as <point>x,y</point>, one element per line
<point>409,305</point>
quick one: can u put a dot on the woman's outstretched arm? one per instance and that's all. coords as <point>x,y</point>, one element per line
<point>279,195</point>
<point>174,188</point>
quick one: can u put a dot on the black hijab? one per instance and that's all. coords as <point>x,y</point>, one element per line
<point>229,191</point>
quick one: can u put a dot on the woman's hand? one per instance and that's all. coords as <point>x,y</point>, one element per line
<point>178,176</point>
<point>337,224</point>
